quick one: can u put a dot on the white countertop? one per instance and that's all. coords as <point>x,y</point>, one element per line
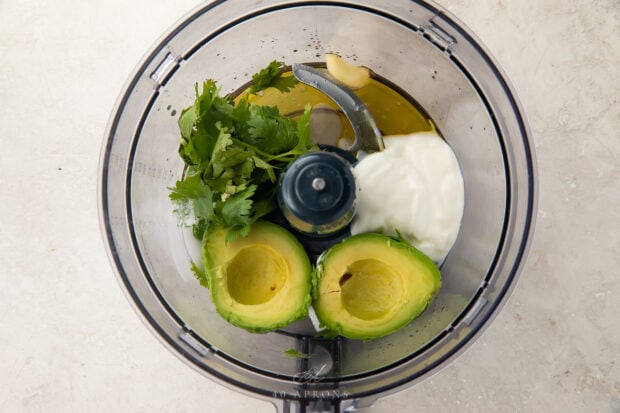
<point>70,341</point>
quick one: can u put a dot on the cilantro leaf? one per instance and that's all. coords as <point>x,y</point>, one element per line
<point>291,352</point>
<point>199,228</point>
<point>266,166</point>
<point>187,119</point>
<point>304,141</point>
<point>263,206</point>
<point>189,188</point>
<point>271,76</point>
<point>270,132</point>
<point>193,200</point>
<point>237,208</point>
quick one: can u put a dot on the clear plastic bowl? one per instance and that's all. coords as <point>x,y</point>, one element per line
<point>416,45</point>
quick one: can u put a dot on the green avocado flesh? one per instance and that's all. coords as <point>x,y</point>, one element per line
<point>261,282</point>
<point>371,285</point>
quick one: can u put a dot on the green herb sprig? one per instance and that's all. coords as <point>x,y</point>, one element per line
<point>234,154</point>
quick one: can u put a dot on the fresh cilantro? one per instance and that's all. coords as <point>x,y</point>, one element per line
<point>199,228</point>
<point>271,76</point>
<point>291,352</point>
<point>193,200</point>
<point>270,132</point>
<point>234,152</point>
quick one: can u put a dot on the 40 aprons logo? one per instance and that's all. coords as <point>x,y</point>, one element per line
<point>305,378</point>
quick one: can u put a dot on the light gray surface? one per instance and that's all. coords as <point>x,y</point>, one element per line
<point>72,343</point>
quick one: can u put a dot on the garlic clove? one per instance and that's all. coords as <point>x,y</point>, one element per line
<point>348,74</point>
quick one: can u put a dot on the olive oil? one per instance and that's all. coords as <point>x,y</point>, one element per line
<point>395,112</point>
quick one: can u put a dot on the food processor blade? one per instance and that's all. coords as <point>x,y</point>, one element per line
<point>367,134</point>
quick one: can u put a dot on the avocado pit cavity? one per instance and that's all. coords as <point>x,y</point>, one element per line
<point>370,289</point>
<point>255,275</point>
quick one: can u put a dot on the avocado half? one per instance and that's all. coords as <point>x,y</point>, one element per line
<point>371,285</point>
<point>260,282</point>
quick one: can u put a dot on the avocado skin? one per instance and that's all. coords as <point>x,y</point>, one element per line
<point>327,301</point>
<point>289,304</point>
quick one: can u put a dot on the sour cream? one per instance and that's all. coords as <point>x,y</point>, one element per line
<point>414,186</point>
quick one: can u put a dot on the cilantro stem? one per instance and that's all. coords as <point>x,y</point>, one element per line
<point>246,145</point>
<point>284,157</point>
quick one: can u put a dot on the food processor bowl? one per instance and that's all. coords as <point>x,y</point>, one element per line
<point>433,58</point>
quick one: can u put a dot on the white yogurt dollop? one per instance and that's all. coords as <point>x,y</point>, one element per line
<point>414,186</point>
